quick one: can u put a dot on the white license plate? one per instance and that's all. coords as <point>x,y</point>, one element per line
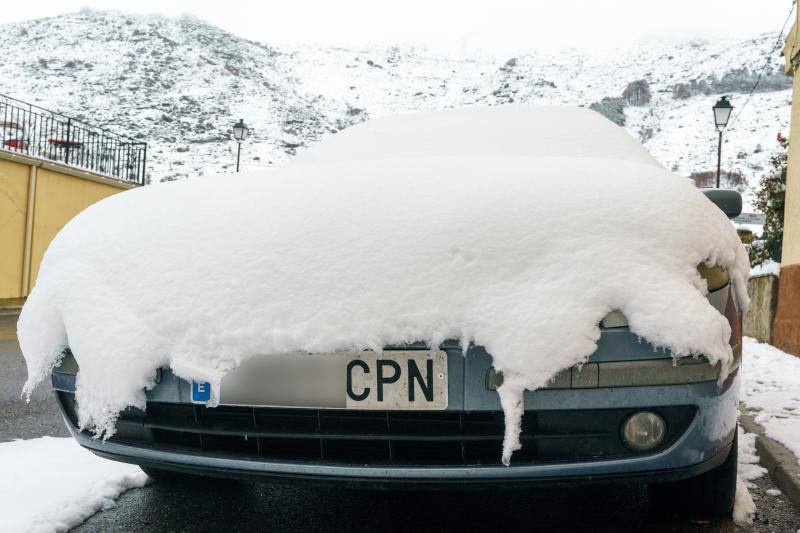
<point>397,380</point>
<point>389,380</point>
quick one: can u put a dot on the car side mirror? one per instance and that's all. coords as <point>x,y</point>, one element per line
<point>730,202</point>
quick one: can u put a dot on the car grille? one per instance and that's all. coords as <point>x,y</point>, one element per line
<point>381,437</point>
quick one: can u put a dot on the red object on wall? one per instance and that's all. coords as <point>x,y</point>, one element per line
<point>63,143</point>
<point>15,143</point>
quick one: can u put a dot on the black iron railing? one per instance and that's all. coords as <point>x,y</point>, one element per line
<point>31,130</point>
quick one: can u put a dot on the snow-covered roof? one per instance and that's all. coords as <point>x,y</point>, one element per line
<point>503,131</point>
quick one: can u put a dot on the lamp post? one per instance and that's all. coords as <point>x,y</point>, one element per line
<point>722,112</point>
<point>240,133</point>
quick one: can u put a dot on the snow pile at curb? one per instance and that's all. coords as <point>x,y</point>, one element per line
<point>52,484</point>
<point>744,508</point>
<point>768,268</point>
<point>521,254</point>
<point>771,391</point>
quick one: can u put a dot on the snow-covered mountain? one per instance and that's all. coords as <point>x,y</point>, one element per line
<point>180,83</point>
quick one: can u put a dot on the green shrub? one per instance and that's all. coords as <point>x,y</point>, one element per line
<point>769,200</point>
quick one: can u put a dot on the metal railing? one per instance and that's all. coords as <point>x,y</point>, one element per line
<point>32,130</point>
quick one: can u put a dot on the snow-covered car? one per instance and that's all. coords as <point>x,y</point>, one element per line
<point>333,400</point>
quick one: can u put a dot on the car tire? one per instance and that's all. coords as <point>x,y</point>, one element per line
<point>172,477</point>
<point>709,495</point>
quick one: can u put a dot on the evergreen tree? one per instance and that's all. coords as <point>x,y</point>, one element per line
<point>611,108</point>
<point>770,200</point>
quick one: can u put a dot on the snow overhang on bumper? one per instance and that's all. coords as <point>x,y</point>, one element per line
<point>573,426</point>
<point>622,360</point>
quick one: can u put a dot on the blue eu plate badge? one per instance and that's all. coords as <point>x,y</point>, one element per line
<point>201,391</point>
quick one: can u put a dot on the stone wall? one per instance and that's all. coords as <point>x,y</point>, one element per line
<point>758,321</point>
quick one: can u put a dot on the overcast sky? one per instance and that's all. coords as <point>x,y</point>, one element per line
<point>453,25</point>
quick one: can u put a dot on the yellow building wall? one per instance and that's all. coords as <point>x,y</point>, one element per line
<point>786,324</point>
<point>59,194</point>
<point>60,197</point>
<point>13,207</point>
<point>791,210</point>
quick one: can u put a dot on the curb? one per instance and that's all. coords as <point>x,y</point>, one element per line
<point>781,464</point>
<point>11,306</point>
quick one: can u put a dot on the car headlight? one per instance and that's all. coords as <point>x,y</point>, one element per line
<point>644,430</point>
<point>716,277</point>
<point>614,319</point>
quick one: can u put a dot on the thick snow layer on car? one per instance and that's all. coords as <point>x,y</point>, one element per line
<point>53,484</point>
<point>521,254</point>
<point>504,131</point>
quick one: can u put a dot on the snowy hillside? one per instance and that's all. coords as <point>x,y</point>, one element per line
<point>179,84</point>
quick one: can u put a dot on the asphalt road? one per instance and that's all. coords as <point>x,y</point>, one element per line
<point>215,507</point>
<point>18,419</point>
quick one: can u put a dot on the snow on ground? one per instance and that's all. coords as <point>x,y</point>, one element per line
<point>53,484</point>
<point>327,254</point>
<point>771,390</point>
<point>768,268</point>
<point>744,508</point>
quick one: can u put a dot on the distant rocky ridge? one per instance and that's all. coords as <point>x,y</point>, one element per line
<point>180,83</point>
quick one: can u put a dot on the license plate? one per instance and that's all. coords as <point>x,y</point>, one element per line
<point>397,380</point>
<point>389,380</point>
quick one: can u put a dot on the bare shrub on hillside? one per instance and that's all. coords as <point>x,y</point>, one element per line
<point>733,179</point>
<point>637,93</point>
<point>682,91</point>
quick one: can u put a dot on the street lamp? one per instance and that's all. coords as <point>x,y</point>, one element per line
<point>722,112</point>
<point>240,133</point>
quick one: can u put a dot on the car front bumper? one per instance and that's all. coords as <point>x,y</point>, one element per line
<point>701,444</point>
<point>400,477</point>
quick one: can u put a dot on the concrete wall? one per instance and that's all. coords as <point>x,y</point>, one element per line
<point>763,292</point>
<point>37,198</point>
